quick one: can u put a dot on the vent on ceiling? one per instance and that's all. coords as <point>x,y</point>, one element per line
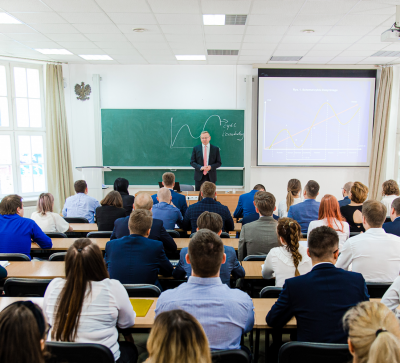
<point>235,19</point>
<point>382,53</point>
<point>285,59</point>
<point>222,52</point>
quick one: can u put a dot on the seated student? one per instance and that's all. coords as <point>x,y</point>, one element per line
<point>157,232</point>
<point>177,337</point>
<point>257,238</point>
<point>329,215</point>
<point>23,332</point>
<point>391,298</point>
<point>319,299</point>
<point>179,200</point>
<point>110,210</point>
<point>393,227</point>
<point>293,197</point>
<point>353,211</point>
<point>121,185</point>
<point>46,219</point>
<point>209,192</point>
<point>213,222</point>
<point>390,191</point>
<point>16,232</point>
<point>345,193</point>
<point>3,272</point>
<point>87,306</point>
<point>80,204</point>
<point>245,205</point>
<point>165,210</point>
<point>136,259</point>
<point>374,333</point>
<point>306,211</point>
<point>375,254</point>
<point>290,259</point>
<point>224,313</point>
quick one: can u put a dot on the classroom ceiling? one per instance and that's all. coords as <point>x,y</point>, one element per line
<point>345,31</point>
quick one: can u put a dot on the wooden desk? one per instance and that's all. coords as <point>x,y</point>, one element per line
<point>36,269</point>
<point>62,244</point>
<point>253,269</point>
<point>84,227</point>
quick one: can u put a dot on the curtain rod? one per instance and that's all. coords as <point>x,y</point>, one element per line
<point>32,59</point>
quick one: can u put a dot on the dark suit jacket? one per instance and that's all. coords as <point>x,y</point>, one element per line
<point>197,162</point>
<point>392,227</point>
<point>127,201</point>
<point>318,300</point>
<point>135,259</point>
<point>157,232</point>
<point>106,215</point>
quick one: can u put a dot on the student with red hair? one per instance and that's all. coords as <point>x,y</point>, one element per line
<point>329,215</point>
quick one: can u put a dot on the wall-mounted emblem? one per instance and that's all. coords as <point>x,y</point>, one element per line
<point>82,91</point>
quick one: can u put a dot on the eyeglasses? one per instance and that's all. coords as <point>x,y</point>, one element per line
<point>335,251</point>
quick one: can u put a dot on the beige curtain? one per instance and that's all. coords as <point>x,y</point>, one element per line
<point>59,166</point>
<point>379,136</point>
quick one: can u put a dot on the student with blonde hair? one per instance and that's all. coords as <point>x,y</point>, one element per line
<point>293,197</point>
<point>374,333</point>
<point>177,337</point>
<point>46,219</point>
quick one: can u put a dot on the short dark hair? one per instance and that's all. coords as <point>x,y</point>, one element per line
<point>374,213</point>
<point>396,205</point>
<point>265,203</point>
<point>312,188</point>
<point>211,221</point>
<point>322,242</point>
<point>10,203</point>
<point>259,187</point>
<point>80,186</point>
<point>140,221</point>
<point>206,251</point>
<point>208,189</point>
<point>121,185</point>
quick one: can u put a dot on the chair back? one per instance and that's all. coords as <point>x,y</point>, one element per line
<point>230,356</point>
<point>377,289</point>
<point>14,257</point>
<point>270,292</point>
<point>65,352</point>
<point>58,256</point>
<point>101,234</point>
<point>301,352</point>
<point>142,290</point>
<point>255,258</point>
<point>56,235</point>
<point>173,233</point>
<point>352,234</point>
<point>187,188</point>
<point>76,220</point>
<point>14,287</point>
<point>387,220</point>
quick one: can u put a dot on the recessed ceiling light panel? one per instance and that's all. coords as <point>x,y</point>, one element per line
<point>96,57</point>
<point>214,19</point>
<point>8,19</point>
<point>139,30</point>
<point>190,57</point>
<point>54,51</point>
<point>308,31</point>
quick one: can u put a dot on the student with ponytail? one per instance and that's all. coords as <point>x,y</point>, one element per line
<point>293,197</point>
<point>87,306</point>
<point>290,259</point>
<point>374,333</point>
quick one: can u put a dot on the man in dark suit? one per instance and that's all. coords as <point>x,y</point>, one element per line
<point>205,168</point>
<point>136,259</point>
<point>157,232</point>
<point>346,192</point>
<point>209,192</point>
<point>319,299</point>
<point>393,227</point>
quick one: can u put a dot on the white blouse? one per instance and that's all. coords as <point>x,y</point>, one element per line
<point>280,261</point>
<point>107,306</point>
<point>343,236</point>
<point>387,202</point>
<point>50,222</point>
<point>282,209</point>
<point>392,297</point>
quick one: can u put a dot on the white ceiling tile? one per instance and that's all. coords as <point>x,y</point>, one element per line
<point>221,38</point>
<point>184,38</point>
<point>357,53</point>
<point>276,6</point>
<point>225,6</point>
<point>372,7</point>
<point>127,57</point>
<point>328,7</point>
<point>68,37</point>
<point>39,18</point>
<point>103,62</point>
<point>132,18</point>
<point>330,46</point>
<point>86,18</point>
<point>389,46</point>
<point>267,30</point>
<point>87,51</point>
<point>269,46</point>
<point>55,28</point>
<point>216,60</point>
<point>223,58</point>
<point>377,60</point>
<point>156,58</point>
<point>174,6</point>
<point>370,39</point>
<point>110,45</point>
<point>304,38</point>
<point>155,45</point>
<point>300,46</point>
<point>318,30</point>
<point>227,29</point>
<point>255,58</point>
<point>65,57</point>
<point>270,19</point>
<point>309,20</point>
<point>323,53</point>
<point>130,62</point>
<point>215,45</point>
<point>266,53</point>
<point>41,45</point>
<point>363,19</point>
<point>73,5</point>
<point>23,5</point>
<point>350,30</point>
<point>121,51</point>
<point>315,60</point>
<point>378,31</point>
<point>341,39</point>
<point>289,53</point>
<point>16,28</point>
<point>182,29</point>
<point>368,46</point>
<point>128,29</point>
<point>190,50</point>
<point>195,19</point>
<point>106,37</point>
<point>346,60</point>
<point>251,38</point>
<point>97,28</point>
<point>121,6</point>
<point>29,37</point>
<point>154,52</point>
<point>77,45</point>
<point>146,37</point>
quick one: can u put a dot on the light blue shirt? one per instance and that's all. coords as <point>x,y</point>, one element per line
<point>169,214</point>
<point>224,313</point>
<point>80,205</point>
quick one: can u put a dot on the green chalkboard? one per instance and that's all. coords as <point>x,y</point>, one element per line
<point>166,137</point>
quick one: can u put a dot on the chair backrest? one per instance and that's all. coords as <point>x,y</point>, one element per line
<point>377,289</point>
<point>101,234</point>
<point>255,258</point>
<point>230,356</point>
<point>76,220</point>
<point>14,287</point>
<point>270,292</point>
<point>173,233</point>
<point>387,220</point>
<point>14,257</point>
<point>142,290</point>
<point>352,234</point>
<point>187,188</point>
<point>64,352</point>
<point>56,235</point>
<point>301,352</point>
<point>58,256</point>
<point>225,235</point>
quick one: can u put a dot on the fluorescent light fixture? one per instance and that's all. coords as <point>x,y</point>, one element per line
<point>96,57</point>
<point>190,57</point>
<point>214,19</point>
<point>8,19</point>
<point>54,51</point>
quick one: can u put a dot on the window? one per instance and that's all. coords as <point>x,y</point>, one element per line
<point>22,130</point>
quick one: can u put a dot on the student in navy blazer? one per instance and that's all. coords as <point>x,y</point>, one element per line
<point>319,299</point>
<point>136,259</point>
<point>245,205</point>
<point>394,226</point>
<point>307,211</point>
